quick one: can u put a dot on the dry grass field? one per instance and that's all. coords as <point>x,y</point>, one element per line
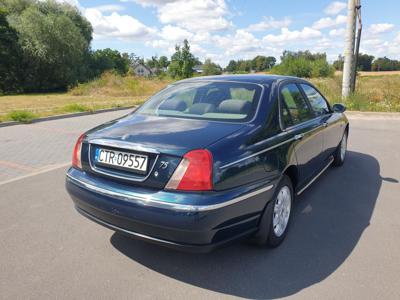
<point>372,73</point>
<point>375,91</point>
<point>109,91</point>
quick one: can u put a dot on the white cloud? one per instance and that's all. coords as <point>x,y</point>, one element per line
<point>329,22</point>
<point>335,7</point>
<point>205,15</point>
<point>117,26</point>
<point>286,35</point>
<point>170,35</point>
<point>175,33</point>
<point>397,38</point>
<point>269,23</point>
<point>372,42</point>
<point>337,32</point>
<point>242,42</point>
<point>72,2</point>
<point>193,15</point>
<point>109,8</point>
<point>380,28</point>
<point>208,27</point>
<point>146,3</point>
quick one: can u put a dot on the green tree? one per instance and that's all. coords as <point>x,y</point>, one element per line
<point>210,68</point>
<point>175,67</point>
<point>108,60</point>
<point>182,62</point>
<point>385,64</point>
<point>304,64</point>
<point>163,62</point>
<point>244,66</point>
<point>262,63</point>
<point>152,63</point>
<point>54,39</point>
<point>307,55</point>
<point>231,67</point>
<point>364,62</point>
<point>338,64</point>
<point>188,60</point>
<point>10,53</point>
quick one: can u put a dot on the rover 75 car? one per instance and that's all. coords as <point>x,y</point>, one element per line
<point>209,160</point>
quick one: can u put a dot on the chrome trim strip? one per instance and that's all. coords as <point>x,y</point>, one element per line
<point>257,153</point>
<point>106,224</point>
<point>145,201</point>
<point>95,169</point>
<point>293,128</point>
<point>122,145</point>
<point>315,178</point>
<point>272,147</point>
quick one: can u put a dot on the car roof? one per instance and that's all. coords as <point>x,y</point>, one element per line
<point>249,78</point>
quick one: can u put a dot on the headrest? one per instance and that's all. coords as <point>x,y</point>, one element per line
<point>232,106</point>
<point>201,108</point>
<point>173,104</point>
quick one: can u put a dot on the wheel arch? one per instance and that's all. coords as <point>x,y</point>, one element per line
<point>293,173</point>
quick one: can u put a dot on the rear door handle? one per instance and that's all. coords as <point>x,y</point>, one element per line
<point>298,136</point>
<point>325,124</point>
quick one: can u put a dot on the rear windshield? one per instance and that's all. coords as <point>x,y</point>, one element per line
<point>225,101</point>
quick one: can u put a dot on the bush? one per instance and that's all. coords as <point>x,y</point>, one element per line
<point>23,116</point>
<point>304,66</point>
<point>210,68</point>
<point>299,67</point>
<point>114,85</point>
<point>75,107</point>
<point>321,68</point>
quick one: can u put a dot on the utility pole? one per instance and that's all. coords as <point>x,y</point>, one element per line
<point>349,48</point>
<point>357,50</point>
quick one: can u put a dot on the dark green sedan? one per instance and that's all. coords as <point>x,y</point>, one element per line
<point>209,160</point>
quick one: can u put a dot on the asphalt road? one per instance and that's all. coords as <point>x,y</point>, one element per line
<point>344,242</point>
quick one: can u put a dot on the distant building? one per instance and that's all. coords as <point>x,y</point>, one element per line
<point>198,69</point>
<point>142,70</point>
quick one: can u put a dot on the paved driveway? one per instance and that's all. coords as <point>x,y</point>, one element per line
<point>344,242</point>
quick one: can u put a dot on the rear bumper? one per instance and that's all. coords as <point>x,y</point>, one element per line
<point>196,222</point>
<point>195,248</point>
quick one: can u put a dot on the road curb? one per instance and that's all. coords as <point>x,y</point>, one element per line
<point>373,114</point>
<point>65,116</point>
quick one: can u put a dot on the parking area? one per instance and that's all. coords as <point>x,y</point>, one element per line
<point>344,241</point>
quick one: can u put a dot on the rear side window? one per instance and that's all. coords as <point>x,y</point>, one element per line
<point>318,103</point>
<point>294,108</point>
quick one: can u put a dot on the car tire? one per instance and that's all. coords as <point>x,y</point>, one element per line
<point>340,154</point>
<point>271,233</point>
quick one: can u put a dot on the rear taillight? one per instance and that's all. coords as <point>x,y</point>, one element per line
<point>194,173</point>
<point>76,156</point>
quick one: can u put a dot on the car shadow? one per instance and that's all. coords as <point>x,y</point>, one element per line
<point>329,219</point>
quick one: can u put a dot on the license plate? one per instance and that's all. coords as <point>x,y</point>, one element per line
<point>120,159</point>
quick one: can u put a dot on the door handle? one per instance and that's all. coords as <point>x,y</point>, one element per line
<point>298,136</point>
<point>325,124</point>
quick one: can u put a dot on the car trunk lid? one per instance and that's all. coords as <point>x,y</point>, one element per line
<point>162,140</point>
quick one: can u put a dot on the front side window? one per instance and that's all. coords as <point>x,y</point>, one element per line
<point>294,108</point>
<point>318,103</point>
<point>225,101</point>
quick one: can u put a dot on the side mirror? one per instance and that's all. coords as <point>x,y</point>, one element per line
<point>339,108</point>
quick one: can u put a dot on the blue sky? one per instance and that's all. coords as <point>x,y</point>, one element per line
<point>239,29</point>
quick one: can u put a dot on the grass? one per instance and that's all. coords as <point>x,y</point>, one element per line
<point>373,93</point>
<point>109,91</point>
<point>112,85</point>
<point>21,116</point>
<point>76,107</point>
